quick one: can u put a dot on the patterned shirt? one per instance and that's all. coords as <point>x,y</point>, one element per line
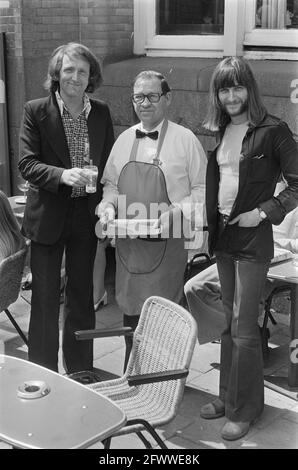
<point>76,133</point>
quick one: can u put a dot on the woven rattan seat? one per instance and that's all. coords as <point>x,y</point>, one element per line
<point>11,270</point>
<point>265,333</point>
<point>163,342</point>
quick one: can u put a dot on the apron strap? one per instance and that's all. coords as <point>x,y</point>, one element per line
<point>156,160</point>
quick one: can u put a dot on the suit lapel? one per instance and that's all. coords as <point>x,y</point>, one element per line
<point>55,132</point>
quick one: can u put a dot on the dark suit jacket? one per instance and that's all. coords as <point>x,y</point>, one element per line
<point>43,157</point>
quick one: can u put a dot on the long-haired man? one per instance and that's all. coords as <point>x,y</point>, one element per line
<point>253,149</point>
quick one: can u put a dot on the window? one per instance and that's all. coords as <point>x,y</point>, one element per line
<point>216,28</point>
<point>276,14</point>
<point>271,29</point>
<point>190,17</point>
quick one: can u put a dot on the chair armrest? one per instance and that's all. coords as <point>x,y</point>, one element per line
<point>278,290</point>
<point>103,333</point>
<point>157,377</point>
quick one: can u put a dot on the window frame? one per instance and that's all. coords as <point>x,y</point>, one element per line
<point>239,34</point>
<point>266,37</point>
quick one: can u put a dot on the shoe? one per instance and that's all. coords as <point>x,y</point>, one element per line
<point>233,431</point>
<point>103,301</point>
<point>213,410</point>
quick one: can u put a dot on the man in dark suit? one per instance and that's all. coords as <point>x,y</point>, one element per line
<point>60,134</point>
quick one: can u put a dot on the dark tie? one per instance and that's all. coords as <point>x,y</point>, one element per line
<point>152,135</point>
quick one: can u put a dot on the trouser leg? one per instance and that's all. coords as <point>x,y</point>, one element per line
<point>203,294</point>
<point>45,304</point>
<point>241,373</point>
<point>78,306</point>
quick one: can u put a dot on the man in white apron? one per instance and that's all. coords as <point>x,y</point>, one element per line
<point>155,162</point>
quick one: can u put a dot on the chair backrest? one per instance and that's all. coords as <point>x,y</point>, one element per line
<point>196,264</point>
<point>11,270</point>
<point>164,340</point>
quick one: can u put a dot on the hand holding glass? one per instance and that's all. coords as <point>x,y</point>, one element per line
<point>24,187</point>
<point>92,173</point>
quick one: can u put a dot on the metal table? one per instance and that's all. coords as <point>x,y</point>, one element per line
<point>69,416</point>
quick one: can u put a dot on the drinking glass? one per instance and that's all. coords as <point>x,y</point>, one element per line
<point>92,173</point>
<point>24,187</point>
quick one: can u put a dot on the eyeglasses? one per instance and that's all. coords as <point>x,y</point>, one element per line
<point>139,98</point>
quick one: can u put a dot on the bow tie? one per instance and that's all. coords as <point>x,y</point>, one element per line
<point>152,135</point>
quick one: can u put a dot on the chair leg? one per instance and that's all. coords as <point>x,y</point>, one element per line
<point>148,428</point>
<point>16,326</point>
<point>107,443</point>
<point>265,333</point>
<point>273,321</point>
<point>144,440</point>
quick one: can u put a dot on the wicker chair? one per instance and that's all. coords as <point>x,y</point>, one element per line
<point>11,270</point>
<point>265,332</point>
<point>152,387</point>
<point>197,263</point>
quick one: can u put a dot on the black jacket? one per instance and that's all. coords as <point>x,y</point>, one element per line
<point>268,150</point>
<point>44,155</point>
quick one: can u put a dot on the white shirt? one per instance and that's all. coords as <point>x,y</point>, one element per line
<point>228,157</point>
<point>286,234</point>
<point>183,162</point>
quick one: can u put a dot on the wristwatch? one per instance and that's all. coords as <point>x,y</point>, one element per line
<point>262,214</point>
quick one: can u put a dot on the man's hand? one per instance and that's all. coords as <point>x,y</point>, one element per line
<point>106,213</point>
<point>75,177</point>
<point>247,219</point>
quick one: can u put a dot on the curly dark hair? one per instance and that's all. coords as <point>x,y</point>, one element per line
<point>73,49</point>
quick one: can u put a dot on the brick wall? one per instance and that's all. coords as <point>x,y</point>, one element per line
<point>10,24</point>
<point>107,27</point>
<point>47,24</point>
<point>34,28</point>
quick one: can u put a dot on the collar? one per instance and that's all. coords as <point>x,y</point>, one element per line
<point>157,128</point>
<point>267,121</point>
<point>62,105</point>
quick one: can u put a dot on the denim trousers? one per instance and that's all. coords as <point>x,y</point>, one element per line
<point>241,366</point>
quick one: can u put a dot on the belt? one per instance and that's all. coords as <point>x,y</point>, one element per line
<point>152,239</point>
<point>78,198</point>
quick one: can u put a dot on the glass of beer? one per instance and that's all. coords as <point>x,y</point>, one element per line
<point>92,173</point>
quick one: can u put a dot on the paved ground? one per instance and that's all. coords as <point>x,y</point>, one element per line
<point>277,428</point>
